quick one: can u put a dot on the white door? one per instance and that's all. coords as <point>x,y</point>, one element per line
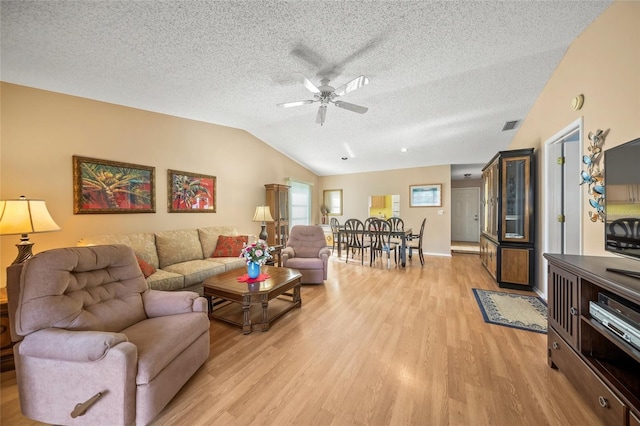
<point>465,207</point>
<point>562,196</point>
<point>571,197</point>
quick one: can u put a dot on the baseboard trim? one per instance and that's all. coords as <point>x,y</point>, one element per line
<point>437,254</point>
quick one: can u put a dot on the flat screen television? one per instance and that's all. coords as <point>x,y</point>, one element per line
<point>622,201</point>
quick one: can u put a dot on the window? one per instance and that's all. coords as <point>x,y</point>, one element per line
<point>299,203</point>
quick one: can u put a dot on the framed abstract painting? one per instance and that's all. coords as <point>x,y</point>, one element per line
<point>103,186</point>
<point>190,192</point>
<point>427,195</point>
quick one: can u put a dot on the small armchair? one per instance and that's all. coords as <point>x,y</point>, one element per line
<point>307,252</point>
<point>95,345</point>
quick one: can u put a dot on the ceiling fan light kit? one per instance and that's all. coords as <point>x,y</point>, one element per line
<point>326,94</point>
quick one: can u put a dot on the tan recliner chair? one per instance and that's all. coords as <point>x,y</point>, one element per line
<point>307,252</point>
<point>96,346</point>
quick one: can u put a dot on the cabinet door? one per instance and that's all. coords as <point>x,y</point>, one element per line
<point>493,259</point>
<point>484,203</point>
<point>277,198</point>
<point>489,213</point>
<point>378,202</point>
<point>494,199</point>
<point>483,251</point>
<point>515,265</point>
<point>562,310</point>
<point>516,199</point>
<point>488,255</point>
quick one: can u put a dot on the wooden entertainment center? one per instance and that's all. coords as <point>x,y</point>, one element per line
<point>604,368</point>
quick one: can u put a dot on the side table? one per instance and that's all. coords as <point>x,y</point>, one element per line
<point>276,253</point>
<point>6,346</point>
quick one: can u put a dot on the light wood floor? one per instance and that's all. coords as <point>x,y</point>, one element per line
<point>374,347</point>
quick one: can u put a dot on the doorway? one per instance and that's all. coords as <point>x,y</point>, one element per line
<point>562,195</point>
<point>465,207</point>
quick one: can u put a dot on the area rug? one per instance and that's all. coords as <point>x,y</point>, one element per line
<point>512,310</point>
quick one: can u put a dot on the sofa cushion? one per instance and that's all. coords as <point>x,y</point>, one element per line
<point>230,246</point>
<point>144,244</point>
<point>209,237</point>
<point>178,246</point>
<point>196,271</point>
<point>165,280</point>
<point>230,262</point>
<point>160,340</point>
<point>146,268</point>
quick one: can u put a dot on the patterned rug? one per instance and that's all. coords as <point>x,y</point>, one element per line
<point>512,310</point>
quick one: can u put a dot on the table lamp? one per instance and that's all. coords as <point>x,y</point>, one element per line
<point>23,216</point>
<point>263,214</point>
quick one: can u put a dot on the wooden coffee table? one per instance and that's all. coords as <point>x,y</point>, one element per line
<point>245,304</point>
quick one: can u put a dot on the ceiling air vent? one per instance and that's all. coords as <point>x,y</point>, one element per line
<point>510,125</point>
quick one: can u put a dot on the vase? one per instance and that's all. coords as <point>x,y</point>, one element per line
<point>253,270</point>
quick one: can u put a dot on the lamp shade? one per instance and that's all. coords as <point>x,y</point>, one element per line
<point>24,216</point>
<point>262,214</point>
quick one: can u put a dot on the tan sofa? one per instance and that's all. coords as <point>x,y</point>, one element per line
<point>182,258</point>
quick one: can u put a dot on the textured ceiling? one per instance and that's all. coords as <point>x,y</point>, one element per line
<point>444,76</point>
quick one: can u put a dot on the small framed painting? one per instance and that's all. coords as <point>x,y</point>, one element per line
<point>102,186</point>
<point>191,192</point>
<point>428,195</point>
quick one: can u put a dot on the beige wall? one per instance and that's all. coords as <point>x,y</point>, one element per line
<point>356,189</point>
<point>466,183</point>
<point>603,63</point>
<point>42,130</point>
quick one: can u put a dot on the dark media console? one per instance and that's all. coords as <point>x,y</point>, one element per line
<point>628,273</point>
<point>592,334</point>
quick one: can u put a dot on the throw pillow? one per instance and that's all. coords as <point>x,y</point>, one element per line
<point>145,267</point>
<point>229,246</point>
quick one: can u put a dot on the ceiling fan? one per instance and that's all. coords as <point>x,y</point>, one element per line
<point>326,94</point>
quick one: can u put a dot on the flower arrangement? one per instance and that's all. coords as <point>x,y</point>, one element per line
<point>325,211</point>
<point>258,252</point>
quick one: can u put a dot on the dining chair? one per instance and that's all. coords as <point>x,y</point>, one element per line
<point>367,228</point>
<point>355,233</point>
<point>380,234</point>
<point>415,242</point>
<point>397,225</point>
<point>339,239</point>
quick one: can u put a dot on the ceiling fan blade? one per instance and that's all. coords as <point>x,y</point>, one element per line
<point>294,104</point>
<point>322,114</point>
<point>308,55</point>
<point>310,86</point>
<point>351,107</point>
<point>354,84</point>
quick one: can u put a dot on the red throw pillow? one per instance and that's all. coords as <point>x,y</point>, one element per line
<point>146,268</point>
<point>229,246</point>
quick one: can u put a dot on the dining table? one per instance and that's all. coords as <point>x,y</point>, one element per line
<point>401,234</point>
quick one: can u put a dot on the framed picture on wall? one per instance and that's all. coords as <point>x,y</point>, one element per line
<point>103,186</point>
<point>426,195</point>
<point>190,192</point>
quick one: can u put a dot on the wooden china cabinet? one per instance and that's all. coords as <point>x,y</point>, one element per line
<point>507,218</point>
<point>277,198</point>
